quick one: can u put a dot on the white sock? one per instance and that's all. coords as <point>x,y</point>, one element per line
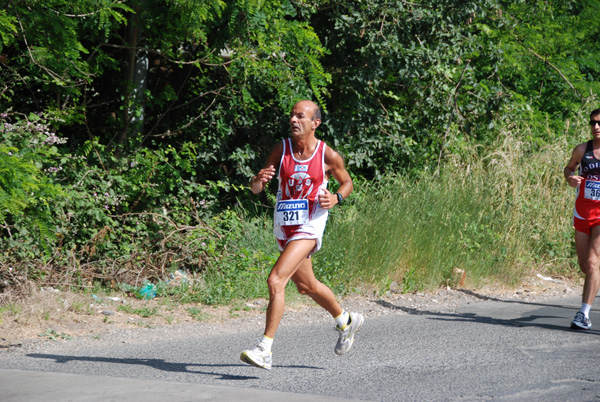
<point>342,319</point>
<point>585,309</point>
<point>267,343</point>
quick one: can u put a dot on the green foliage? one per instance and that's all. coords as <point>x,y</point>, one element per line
<point>218,74</point>
<point>53,335</point>
<point>197,313</point>
<point>410,79</point>
<point>8,28</point>
<point>415,83</point>
<point>548,55</point>
<point>144,312</point>
<point>498,215</point>
<point>47,57</point>
<point>27,194</point>
<point>190,19</point>
<point>279,48</point>
<point>327,268</point>
<point>241,272</point>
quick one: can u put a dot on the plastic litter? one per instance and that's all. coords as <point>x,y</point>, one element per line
<point>147,292</point>
<point>177,278</point>
<point>547,278</point>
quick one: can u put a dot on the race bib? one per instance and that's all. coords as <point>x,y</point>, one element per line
<point>592,190</point>
<point>292,212</point>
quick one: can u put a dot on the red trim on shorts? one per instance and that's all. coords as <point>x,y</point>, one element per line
<point>284,242</point>
<point>585,225</point>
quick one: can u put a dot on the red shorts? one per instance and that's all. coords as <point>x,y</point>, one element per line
<point>586,214</point>
<point>585,225</point>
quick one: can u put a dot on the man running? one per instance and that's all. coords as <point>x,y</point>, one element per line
<point>305,165</point>
<point>586,216</point>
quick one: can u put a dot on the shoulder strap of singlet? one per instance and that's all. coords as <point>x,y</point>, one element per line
<point>285,146</point>
<point>589,149</point>
<point>323,148</point>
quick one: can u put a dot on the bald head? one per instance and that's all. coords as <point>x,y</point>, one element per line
<point>309,106</point>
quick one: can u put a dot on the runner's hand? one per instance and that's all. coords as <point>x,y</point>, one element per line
<point>258,182</point>
<point>574,181</point>
<point>327,200</point>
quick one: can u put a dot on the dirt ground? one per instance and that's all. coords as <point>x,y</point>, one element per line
<point>50,314</point>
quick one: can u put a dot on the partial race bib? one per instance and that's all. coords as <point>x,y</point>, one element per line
<point>592,190</point>
<point>292,212</point>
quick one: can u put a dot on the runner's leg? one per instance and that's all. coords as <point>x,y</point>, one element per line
<point>588,255</point>
<point>307,284</point>
<point>290,259</point>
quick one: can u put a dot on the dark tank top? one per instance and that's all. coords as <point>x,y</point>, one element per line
<point>589,167</point>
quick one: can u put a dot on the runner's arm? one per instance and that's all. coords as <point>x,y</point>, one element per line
<point>569,171</point>
<point>334,166</point>
<point>259,182</point>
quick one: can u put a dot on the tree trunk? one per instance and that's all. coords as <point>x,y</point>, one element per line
<point>135,81</point>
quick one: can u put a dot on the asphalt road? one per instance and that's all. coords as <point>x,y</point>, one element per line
<point>501,350</point>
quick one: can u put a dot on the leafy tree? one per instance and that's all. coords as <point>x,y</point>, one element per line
<point>413,81</point>
<point>409,79</point>
<point>161,103</point>
<point>549,55</point>
<point>27,194</point>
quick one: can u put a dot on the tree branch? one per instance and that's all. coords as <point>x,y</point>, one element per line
<point>556,69</point>
<point>79,15</point>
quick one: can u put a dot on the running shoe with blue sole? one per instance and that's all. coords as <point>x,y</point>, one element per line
<point>581,321</point>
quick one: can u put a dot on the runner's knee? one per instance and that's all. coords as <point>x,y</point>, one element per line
<point>275,283</point>
<point>590,266</point>
<point>305,288</point>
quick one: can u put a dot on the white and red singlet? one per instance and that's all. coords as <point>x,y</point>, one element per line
<point>298,214</point>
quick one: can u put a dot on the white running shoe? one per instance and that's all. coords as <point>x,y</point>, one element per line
<point>258,357</point>
<point>581,321</point>
<point>347,333</point>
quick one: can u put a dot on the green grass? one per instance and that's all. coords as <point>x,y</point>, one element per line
<point>144,312</point>
<point>498,216</point>
<point>198,314</point>
<point>53,335</point>
<point>240,272</point>
<point>10,309</point>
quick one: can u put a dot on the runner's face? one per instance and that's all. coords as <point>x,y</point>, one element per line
<point>596,127</point>
<point>301,119</point>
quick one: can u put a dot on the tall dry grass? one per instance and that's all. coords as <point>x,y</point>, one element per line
<point>497,214</point>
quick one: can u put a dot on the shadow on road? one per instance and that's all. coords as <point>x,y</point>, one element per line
<point>528,303</point>
<point>542,318</point>
<point>161,364</point>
